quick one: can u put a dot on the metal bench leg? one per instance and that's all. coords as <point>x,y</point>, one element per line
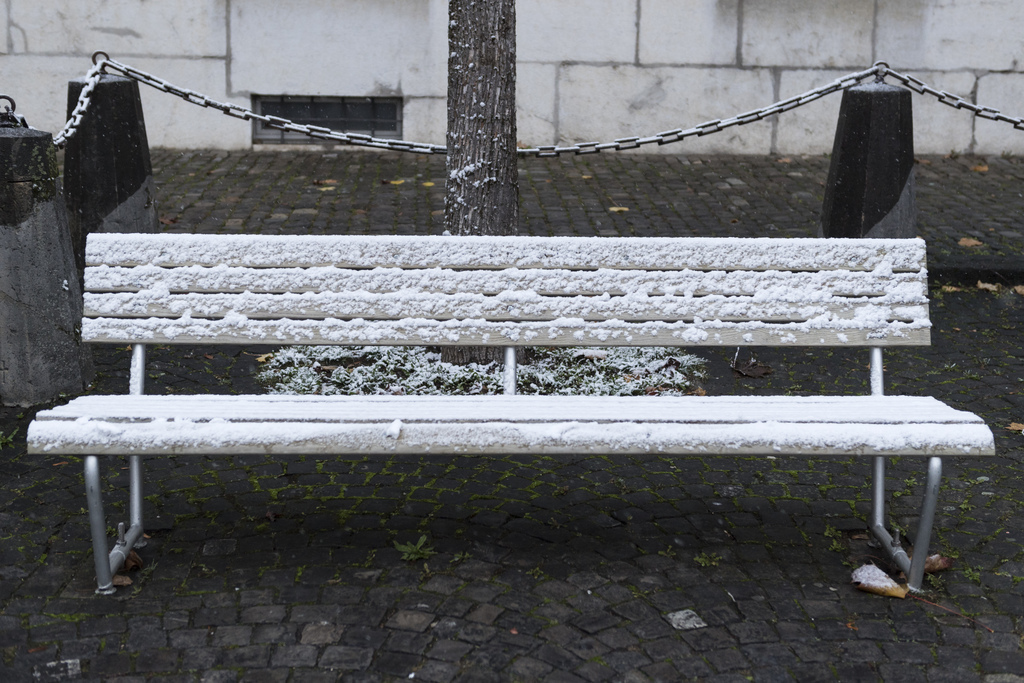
<point>912,568</point>
<point>136,387</point>
<point>924,525</point>
<point>135,499</point>
<point>109,563</point>
<point>890,542</point>
<point>98,526</point>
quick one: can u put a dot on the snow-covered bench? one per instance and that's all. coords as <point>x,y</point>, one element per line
<point>514,291</point>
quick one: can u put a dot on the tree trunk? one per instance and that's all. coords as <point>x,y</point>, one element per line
<point>482,186</point>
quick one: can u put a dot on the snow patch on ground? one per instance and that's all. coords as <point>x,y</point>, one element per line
<point>329,370</point>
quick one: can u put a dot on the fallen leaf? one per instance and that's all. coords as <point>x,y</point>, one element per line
<point>1019,289</point>
<point>951,288</point>
<point>122,580</point>
<point>392,182</point>
<point>980,168</point>
<point>871,579</point>
<point>514,631</point>
<point>167,221</point>
<point>752,368</point>
<point>586,177</point>
<point>970,242</point>
<point>1017,426</point>
<point>132,562</point>
<point>38,648</point>
<point>617,209</point>
<point>428,184</point>
<point>988,287</point>
<point>784,160</point>
<point>937,563</point>
<point>699,391</point>
<point>208,356</point>
<point>923,162</point>
<point>438,212</point>
<point>327,189</point>
<point>263,358</point>
<point>62,462</point>
<point>326,181</point>
<point>851,626</point>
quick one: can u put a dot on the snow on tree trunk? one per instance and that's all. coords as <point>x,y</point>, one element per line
<point>482,186</point>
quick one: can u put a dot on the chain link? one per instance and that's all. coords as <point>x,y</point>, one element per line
<point>879,71</point>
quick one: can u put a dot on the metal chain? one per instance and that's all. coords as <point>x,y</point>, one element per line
<point>949,99</point>
<point>84,100</point>
<point>708,127</point>
<point>239,112</point>
<point>879,71</point>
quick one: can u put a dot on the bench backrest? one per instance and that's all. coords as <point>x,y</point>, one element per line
<point>504,291</point>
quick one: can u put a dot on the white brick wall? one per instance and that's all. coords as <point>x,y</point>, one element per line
<point>947,35</point>
<point>808,33</point>
<point>588,69</point>
<point>689,31</point>
<point>183,28</point>
<point>366,47</point>
<point>596,100</point>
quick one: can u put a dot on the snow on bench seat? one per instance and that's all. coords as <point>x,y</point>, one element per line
<point>550,425</point>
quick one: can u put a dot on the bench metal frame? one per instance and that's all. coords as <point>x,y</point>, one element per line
<point>108,564</point>
<point>890,543</point>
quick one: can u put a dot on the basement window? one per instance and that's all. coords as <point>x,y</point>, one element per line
<point>379,117</point>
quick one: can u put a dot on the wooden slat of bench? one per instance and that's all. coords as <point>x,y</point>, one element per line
<point>236,329</point>
<point>542,281</point>
<point>507,306</point>
<point>574,253</point>
<point>860,425</point>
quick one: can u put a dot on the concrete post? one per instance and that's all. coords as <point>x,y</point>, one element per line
<point>108,175</point>
<point>41,354</point>
<point>870,189</point>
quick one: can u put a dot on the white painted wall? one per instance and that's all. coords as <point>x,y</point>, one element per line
<point>588,69</point>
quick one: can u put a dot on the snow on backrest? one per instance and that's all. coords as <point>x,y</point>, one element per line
<point>385,289</point>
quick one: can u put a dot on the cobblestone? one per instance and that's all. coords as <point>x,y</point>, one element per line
<point>546,569</point>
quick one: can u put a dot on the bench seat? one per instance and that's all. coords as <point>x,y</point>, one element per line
<point>550,425</point>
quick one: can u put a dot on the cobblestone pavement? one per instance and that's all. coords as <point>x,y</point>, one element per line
<point>546,569</point>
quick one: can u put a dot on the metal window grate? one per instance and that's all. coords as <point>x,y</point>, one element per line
<point>380,117</point>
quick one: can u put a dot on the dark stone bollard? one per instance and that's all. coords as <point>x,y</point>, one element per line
<point>870,190</point>
<point>108,175</point>
<point>41,354</point>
